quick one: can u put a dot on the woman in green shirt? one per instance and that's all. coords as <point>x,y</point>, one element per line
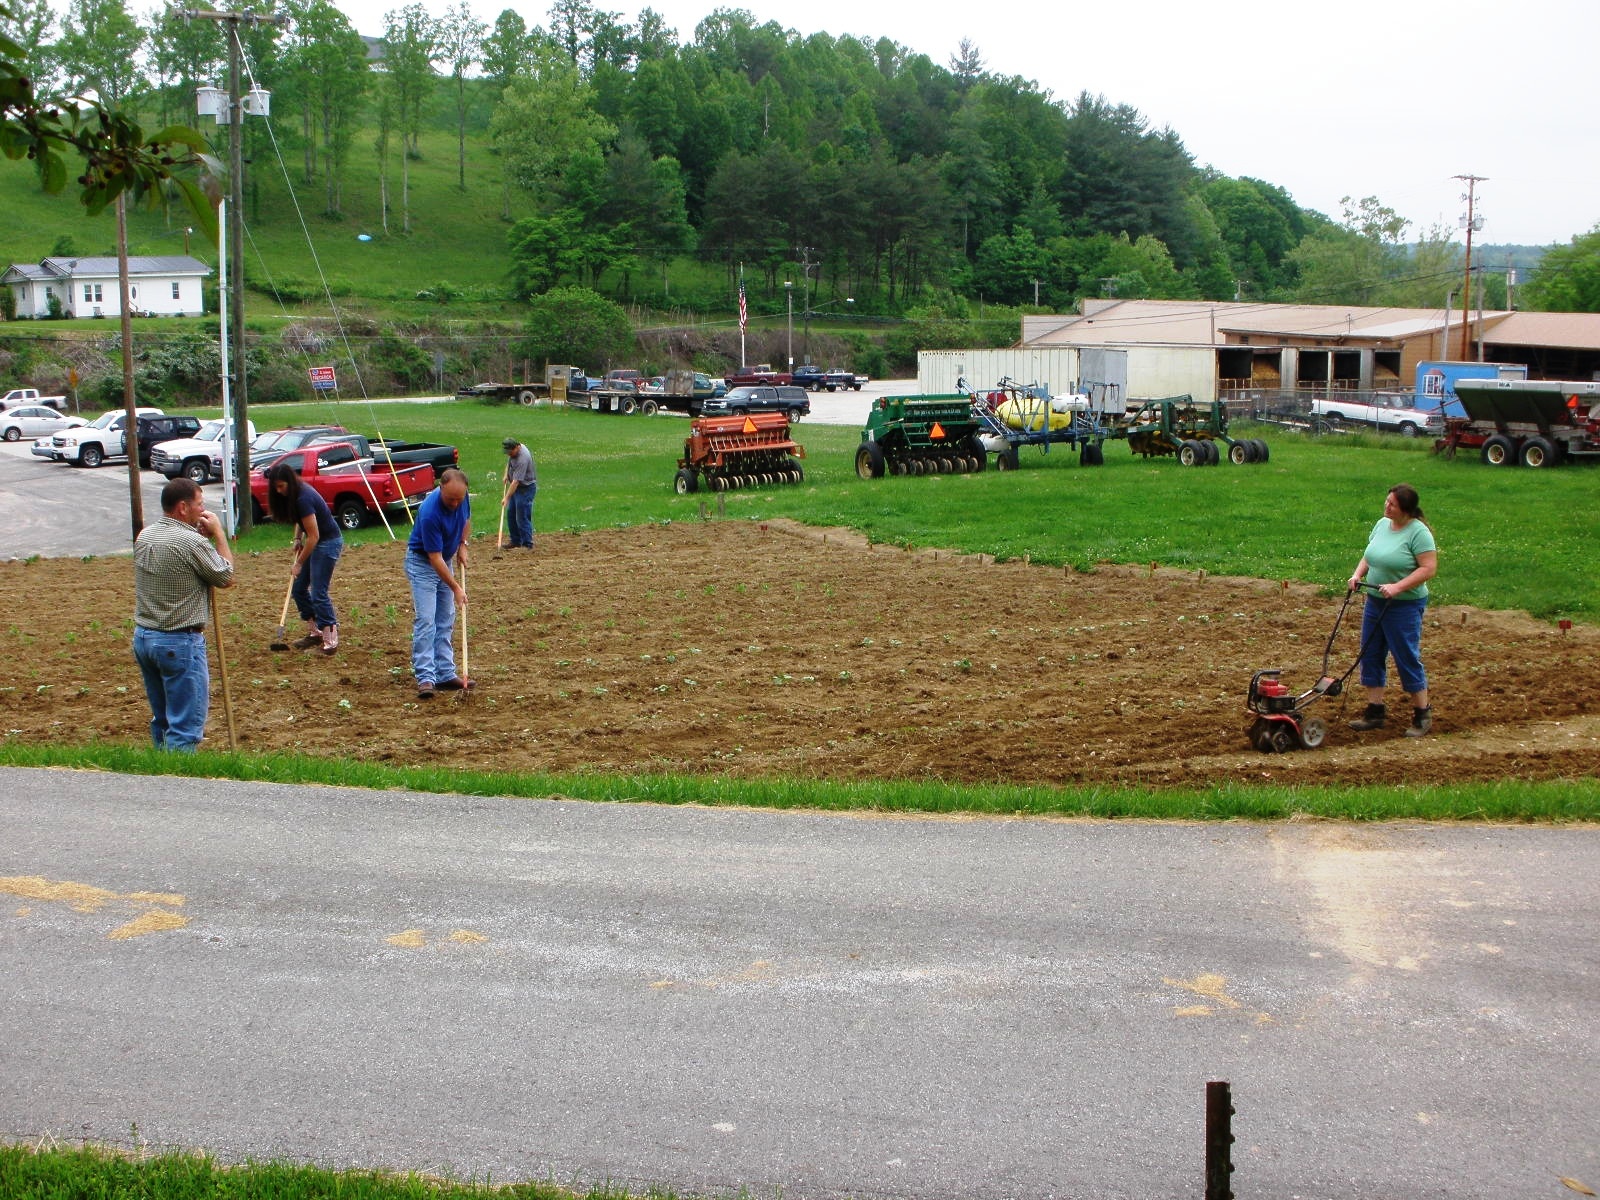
<point>1399,561</point>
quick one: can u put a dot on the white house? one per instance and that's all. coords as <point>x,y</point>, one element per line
<point>160,285</point>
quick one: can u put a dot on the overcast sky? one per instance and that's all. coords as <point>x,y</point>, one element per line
<point>1386,98</point>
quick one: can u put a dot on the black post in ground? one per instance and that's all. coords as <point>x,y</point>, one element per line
<point>1219,1142</point>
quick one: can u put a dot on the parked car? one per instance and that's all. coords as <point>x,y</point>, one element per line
<point>34,420</point>
<point>105,437</point>
<point>837,379</point>
<point>794,401</point>
<point>199,457</point>
<point>31,396</point>
<point>1387,412</point>
<point>274,443</point>
<point>809,376</point>
<point>619,376</point>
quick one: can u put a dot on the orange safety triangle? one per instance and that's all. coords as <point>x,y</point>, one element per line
<point>937,431</point>
<point>749,426</point>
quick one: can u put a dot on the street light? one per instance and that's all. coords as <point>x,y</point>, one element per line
<point>788,295</point>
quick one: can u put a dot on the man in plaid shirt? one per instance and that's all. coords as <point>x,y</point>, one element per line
<point>176,563</point>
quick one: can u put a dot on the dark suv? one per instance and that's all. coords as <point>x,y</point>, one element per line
<point>794,401</point>
<point>162,429</point>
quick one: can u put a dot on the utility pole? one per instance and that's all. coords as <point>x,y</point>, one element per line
<point>807,266</point>
<point>1472,223</point>
<point>232,109</point>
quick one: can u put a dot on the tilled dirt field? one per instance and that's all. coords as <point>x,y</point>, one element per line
<point>776,650</point>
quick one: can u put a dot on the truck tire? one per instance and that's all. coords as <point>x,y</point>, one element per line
<point>351,513</point>
<point>13,433</point>
<point>686,481</point>
<point>528,397</point>
<point>91,456</point>
<point>1538,452</point>
<point>1499,451</point>
<point>649,408</point>
<point>197,469</point>
<point>1407,429</point>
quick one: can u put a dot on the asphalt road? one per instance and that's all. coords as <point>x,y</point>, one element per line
<point>804,1004</point>
<point>59,511</point>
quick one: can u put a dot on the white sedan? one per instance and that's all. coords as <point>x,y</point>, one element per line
<point>34,420</point>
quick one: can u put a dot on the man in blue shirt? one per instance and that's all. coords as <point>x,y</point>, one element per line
<point>438,540</point>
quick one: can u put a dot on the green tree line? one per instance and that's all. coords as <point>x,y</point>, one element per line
<point>854,167</point>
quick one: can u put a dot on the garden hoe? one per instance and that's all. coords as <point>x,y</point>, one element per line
<point>467,683</point>
<point>280,640</point>
<point>222,672</point>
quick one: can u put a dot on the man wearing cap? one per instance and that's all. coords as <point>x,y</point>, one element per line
<point>522,483</point>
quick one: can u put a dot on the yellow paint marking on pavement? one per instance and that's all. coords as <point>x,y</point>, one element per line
<point>467,937</point>
<point>1194,1010</point>
<point>408,939</point>
<point>157,920</point>
<point>1212,987</point>
<point>86,898</point>
<point>80,897</point>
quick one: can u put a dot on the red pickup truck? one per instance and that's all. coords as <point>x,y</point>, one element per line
<point>761,375</point>
<point>354,487</point>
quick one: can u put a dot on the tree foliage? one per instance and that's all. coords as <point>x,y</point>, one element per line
<point>858,167</point>
<point>1568,277</point>
<point>576,325</point>
<point>118,158</point>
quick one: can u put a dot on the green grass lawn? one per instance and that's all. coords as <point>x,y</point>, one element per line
<point>1507,538</point>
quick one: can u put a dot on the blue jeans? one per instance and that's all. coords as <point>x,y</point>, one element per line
<point>311,585</point>
<point>1394,629</point>
<point>177,682</point>
<point>432,658</point>
<point>520,510</point>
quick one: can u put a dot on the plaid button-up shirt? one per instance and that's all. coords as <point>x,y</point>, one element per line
<point>174,568</point>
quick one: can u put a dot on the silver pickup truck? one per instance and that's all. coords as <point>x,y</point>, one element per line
<point>1388,412</point>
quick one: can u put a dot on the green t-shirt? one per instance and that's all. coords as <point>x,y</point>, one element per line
<point>1392,554</point>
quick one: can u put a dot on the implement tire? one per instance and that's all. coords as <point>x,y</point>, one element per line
<point>869,461</point>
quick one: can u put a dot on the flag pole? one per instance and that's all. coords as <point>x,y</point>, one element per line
<point>742,317</point>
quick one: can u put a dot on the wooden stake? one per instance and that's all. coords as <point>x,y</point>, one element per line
<point>222,672</point>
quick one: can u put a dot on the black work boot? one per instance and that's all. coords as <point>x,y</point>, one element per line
<point>1373,718</point>
<point>1421,722</point>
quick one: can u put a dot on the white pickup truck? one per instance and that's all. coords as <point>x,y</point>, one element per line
<point>199,457</point>
<point>1388,412</point>
<point>18,396</point>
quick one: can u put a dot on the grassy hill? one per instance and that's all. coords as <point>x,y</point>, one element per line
<point>457,237</point>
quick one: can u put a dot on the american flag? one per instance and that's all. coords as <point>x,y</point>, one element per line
<point>744,312</point>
